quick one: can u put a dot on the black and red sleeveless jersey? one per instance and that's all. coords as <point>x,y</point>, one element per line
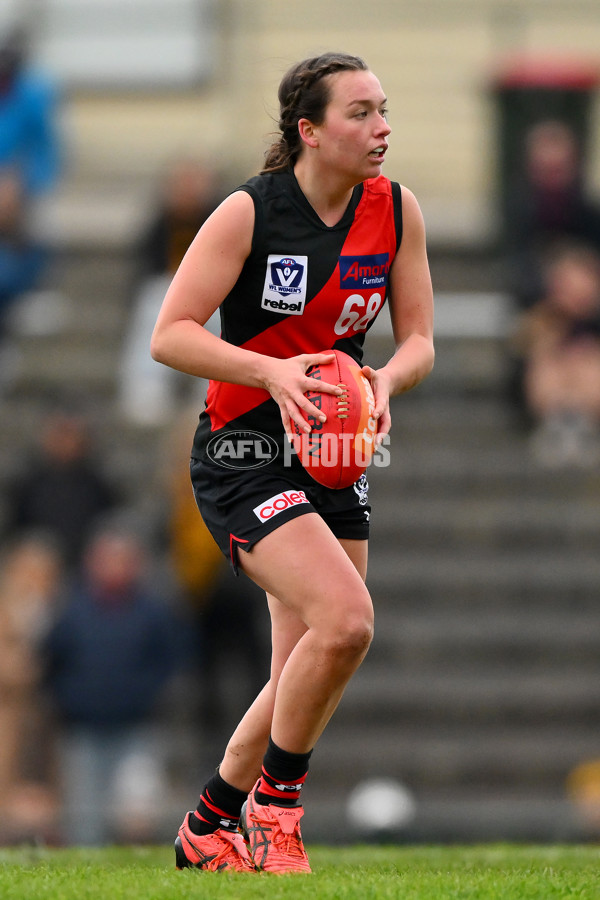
<point>305,287</point>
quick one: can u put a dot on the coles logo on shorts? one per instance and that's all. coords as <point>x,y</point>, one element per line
<point>278,503</point>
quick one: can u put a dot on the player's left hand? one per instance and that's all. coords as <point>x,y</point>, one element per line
<point>380,382</point>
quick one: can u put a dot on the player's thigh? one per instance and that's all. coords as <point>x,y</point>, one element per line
<point>287,627</point>
<point>306,568</point>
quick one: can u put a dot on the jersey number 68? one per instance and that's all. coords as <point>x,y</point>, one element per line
<point>358,313</point>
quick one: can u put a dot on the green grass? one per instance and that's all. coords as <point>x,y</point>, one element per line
<point>485,872</point>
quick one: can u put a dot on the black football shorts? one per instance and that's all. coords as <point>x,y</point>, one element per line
<point>241,506</point>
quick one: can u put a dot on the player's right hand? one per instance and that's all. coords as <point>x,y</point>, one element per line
<point>287,382</point>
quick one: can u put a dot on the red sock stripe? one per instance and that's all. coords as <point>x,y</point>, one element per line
<point>215,809</point>
<point>202,819</point>
<point>266,789</point>
<point>300,780</point>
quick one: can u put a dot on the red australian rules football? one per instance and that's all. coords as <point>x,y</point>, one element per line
<point>337,452</point>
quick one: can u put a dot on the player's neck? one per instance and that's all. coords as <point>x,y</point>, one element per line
<point>327,195</point>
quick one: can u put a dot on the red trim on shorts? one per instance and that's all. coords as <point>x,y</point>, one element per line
<point>233,550</point>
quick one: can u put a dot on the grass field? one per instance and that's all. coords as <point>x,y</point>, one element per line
<point>486,872</point>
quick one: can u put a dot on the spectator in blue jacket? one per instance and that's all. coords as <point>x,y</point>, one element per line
<point>109,656</point>
<point>30,165</point>
<point>29,142</point>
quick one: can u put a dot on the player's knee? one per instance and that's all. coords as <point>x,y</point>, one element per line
<point>352,634</point>
<point>357,641</point>
<point>350,645</point>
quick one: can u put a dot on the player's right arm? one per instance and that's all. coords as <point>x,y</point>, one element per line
<point>207,273</point>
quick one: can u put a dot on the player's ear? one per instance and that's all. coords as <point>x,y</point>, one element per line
<point>307,133</point>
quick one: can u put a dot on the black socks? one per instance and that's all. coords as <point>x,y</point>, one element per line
<point>283,775</point>
<point>219,807</point>
<point>282,778</point>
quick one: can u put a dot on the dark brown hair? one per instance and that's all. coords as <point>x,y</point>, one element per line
<point>304,94</point>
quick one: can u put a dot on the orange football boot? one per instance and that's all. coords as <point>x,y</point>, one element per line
<point>219,851</point>
<point>274,837</point>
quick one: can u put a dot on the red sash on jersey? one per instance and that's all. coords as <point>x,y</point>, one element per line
<point>372,233</point>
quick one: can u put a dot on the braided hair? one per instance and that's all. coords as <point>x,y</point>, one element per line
<point>304,94</point>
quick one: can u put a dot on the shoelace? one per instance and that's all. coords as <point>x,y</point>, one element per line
<point>228,853</point>
<point>290,844</point>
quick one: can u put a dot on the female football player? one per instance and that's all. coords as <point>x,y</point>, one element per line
<point>289,258</point>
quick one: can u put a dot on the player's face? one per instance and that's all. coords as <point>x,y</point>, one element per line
<point>353,136</point>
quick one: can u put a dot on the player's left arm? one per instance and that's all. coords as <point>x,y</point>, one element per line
<point>410,298</point>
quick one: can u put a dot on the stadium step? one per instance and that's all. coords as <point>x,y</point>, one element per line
<point>451,816</point>
<point>539,640</point>
<point>437,756</point>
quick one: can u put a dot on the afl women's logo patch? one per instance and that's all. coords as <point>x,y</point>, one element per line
<point>285,284</point>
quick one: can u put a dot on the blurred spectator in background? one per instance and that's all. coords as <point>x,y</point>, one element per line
<point>583,792</point>
<point>30,583</point>
<point>109,656</point>
<point>29,167</point>
<point>189,193</point>
<point>29,143</point>
<point>23,258</point>
<point>547,206</point>
<point>559,339</point>
<point>61,488</point>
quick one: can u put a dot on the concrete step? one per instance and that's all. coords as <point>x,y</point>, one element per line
<point>79,363</point>
<point>455,421</point>
<point>452,693</point>
<point>521,639</point>
<point>105,276</point>
<point>86,307</point>
<point>452,815</point>
<point>488,815</point>
<point>477,365</point>
<point>477,521</point>
<point>484,579</point>
<point>475,270</point>
<point>495,471</point>
<point>435,756</point>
